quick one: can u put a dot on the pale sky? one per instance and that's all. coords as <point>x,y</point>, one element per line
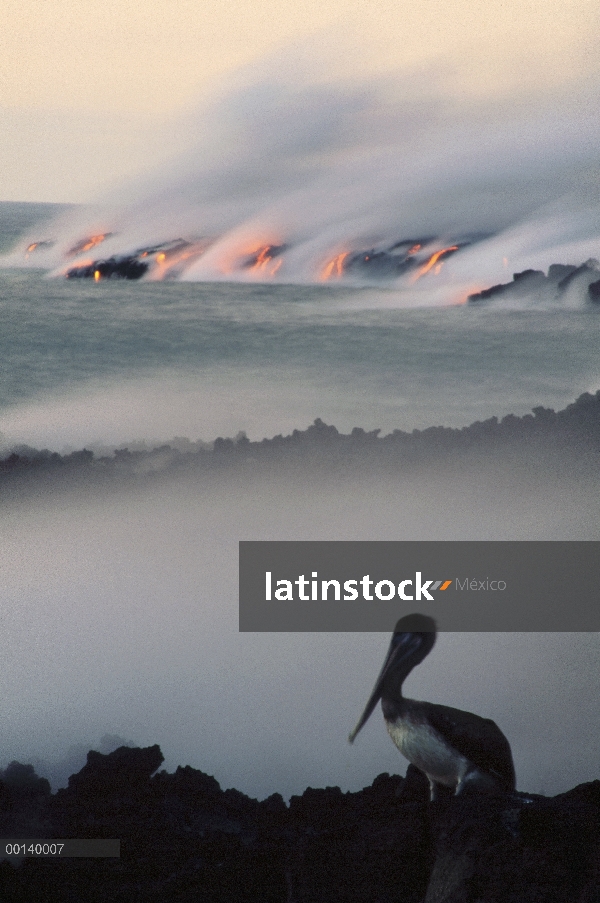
<point>94,91</point>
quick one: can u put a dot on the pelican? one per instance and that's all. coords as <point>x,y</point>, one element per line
<point>454,749</point>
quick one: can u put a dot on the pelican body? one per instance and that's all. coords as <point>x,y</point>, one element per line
<point>454,749</point>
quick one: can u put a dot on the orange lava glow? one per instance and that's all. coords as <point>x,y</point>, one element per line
<point>463,298</point>
<point>433,260</point>
<point>80,263</point>
<point>168,261</point>
<point>86,244</point>
<point>32,247</point>
<point>93,241</point>
<point>263,261</point>
<point>97,276</point>
<point>335,267</point>
<point>414,249</point>
<point>262,258</point>
<point>257,257</point>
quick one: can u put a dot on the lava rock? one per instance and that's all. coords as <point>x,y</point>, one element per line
<point>560,278</point>
<point>184,839</point>
<point>594,291</point>
<point>113,268</point>
<point>527,280</point>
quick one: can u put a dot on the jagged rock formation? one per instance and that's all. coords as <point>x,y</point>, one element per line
<point>594,291</point>
<point>560,278</point>
<point>184,839</point>
<point>537,436</point>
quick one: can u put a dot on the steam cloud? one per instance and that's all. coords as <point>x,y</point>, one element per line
<point>287,173</point>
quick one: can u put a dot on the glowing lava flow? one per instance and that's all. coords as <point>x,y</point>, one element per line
<point>432,262</point>
<point>37,246</point>
<point>335,267</point>
<point>255,258</point>
<point>87,244</point>
<point>168,261</point>
<point>93,241</point>
<point>31,248</point>
<point>263,259</point>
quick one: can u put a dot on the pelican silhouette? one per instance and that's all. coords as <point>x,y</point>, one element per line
<point>453,748</point>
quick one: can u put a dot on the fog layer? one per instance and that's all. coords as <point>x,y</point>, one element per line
<point>119,616</point>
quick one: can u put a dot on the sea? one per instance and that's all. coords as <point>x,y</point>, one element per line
<point>122,362</point>
<point>119,611</point>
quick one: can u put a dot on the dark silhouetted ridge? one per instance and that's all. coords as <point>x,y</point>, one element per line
<point>185,839</point>
<point>540,436</point>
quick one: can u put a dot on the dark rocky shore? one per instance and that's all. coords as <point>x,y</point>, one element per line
<point>561,279</point>
<point>185,839</point>
<point>543,435</point>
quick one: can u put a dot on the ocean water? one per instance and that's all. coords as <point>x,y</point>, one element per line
<point>119,609</point>
<point>116,362</point>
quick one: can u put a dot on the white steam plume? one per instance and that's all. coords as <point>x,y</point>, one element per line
<point>302,171</point>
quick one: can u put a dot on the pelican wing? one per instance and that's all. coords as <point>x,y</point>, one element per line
<point>478,739</point>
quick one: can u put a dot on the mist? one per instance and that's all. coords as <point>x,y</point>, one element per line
<point>120,618</point>
<point>283,157</point>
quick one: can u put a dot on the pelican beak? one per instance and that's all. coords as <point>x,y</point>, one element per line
<point>400,648</point>
<point>373,700</point>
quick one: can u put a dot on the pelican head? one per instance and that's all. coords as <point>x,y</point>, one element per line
<point>413,639</point>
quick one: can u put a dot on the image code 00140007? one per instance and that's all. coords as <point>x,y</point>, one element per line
<point>63,849</point>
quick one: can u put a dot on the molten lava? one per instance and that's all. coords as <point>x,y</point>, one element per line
<point>168,261</point>
<point>262,258</point>
<point>263,261</point>
<point>257,258</point>
<point>37,246</point>
<point>433,260</point>
<point>335,267</point>
<point>86,244</point>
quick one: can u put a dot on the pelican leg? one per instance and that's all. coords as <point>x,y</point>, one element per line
<point>433,790</point>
